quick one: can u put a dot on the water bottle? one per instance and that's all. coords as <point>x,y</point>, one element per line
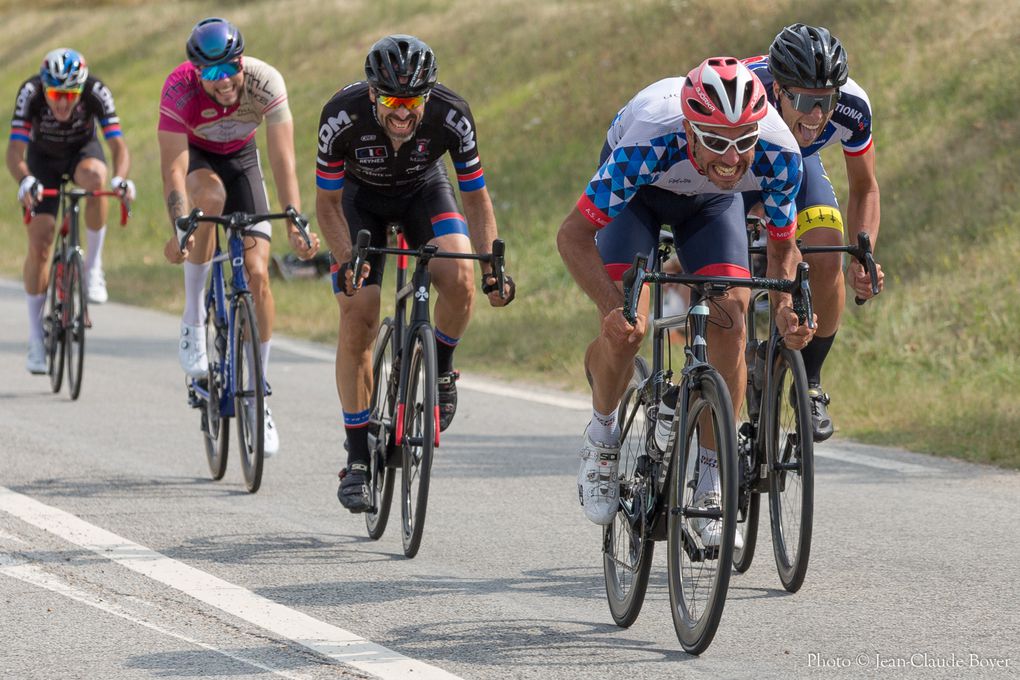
<point>664,420</point>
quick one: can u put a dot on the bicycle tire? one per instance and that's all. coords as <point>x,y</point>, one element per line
<point>249,391</point>
<point>696,618</point>
<point>790,450</point>
<point>626,562</point>
<point>420,416</point>
<point>75,315</point>
<point>53,324</point>
<point>381,429</point>
<point>216,424</point>
<point>750,453</point>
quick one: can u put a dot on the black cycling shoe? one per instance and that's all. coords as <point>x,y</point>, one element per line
<point>353,490</point>
<point>447,398</point>
<point>820,420</point>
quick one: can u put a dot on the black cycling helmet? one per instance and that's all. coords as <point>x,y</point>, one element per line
<point>214,41</point>
<point>401,66</point>
<point>807,56</point>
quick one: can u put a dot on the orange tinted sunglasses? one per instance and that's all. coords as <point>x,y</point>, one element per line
<point>55,94</point>
<point>407,102</point>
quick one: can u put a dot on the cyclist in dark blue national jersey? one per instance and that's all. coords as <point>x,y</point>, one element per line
<point>381,143</point>
<point>805,75</point>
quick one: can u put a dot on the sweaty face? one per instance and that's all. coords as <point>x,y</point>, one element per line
<point>401,122</point>
<point>806,127</point>
<point>727,168</point>
<point>227,91</point>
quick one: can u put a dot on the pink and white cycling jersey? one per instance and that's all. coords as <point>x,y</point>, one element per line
<point>186,108</point>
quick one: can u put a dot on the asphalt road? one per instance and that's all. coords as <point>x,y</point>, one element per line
<point>119,558</point>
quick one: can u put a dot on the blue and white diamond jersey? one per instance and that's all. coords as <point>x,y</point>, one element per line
<point>648,146</point>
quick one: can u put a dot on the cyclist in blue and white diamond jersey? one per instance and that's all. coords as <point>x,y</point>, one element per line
<point>806,77</point>
<point>677,154</point>
<point>53,133</point>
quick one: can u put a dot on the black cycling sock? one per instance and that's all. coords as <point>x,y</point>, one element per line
<point>357,445</point>
<point>444,352</point>
<point>814,356</point>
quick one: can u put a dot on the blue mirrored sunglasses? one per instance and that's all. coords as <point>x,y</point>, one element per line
<point>220,71</point>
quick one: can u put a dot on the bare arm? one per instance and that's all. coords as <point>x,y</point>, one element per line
<point>783,258</point>
<point>173,159</point>
<point>481,222</point>
<point>576,243</point>
<point>280,138</point>
<point>863,214</point>
<point>333,223</point>
<point>16,164</point>
<point>121,157</point>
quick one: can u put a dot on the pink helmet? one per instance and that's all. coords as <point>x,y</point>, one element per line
<point>722,91</point>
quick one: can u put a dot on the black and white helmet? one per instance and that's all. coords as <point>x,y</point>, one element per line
<point>807,56</point>
<point>401,66</point>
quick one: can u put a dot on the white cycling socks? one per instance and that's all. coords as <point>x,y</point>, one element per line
<point>35,314</point>
<point>603,428</point>
<point>194,290</point>
<point>94,252</point>
<point>708,473</point>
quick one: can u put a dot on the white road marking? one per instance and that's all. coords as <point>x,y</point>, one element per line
<point>844,452</point>
<point>323,638</point>
<point>38,577</point>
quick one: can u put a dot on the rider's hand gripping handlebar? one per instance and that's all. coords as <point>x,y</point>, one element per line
<point>633,280</point>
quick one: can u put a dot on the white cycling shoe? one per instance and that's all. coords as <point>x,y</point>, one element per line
<point>191,351</point>
<point>97,286</point>
<point>598,481</point>
<point>711,530</point>
<point>36,361</point>
<point>270,437</point>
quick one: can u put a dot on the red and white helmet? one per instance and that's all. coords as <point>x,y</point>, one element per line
<point>722,91</point>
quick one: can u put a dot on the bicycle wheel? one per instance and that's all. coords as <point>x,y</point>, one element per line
<point>626,546</point>
<point>381,426</point>
<point>419,416</point>
<point>215,424</point>
<point>249,391</point>
<point>75,317</point>
<point>699,574</point>
<point>790,449</point>
<point>53,323</point>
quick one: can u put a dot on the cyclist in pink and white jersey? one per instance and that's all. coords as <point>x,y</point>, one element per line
<point>210,108</point>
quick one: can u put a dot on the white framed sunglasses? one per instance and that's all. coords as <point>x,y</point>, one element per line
<point>720,145</point>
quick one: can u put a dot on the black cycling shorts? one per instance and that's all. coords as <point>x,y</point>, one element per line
<point>49,170</point>
<point>242,178</point>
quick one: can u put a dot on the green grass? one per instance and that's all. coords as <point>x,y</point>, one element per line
<point>928,366</point>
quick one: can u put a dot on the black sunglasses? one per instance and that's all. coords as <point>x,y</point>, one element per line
<point>805,103</point>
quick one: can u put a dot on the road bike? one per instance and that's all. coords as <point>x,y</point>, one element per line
<point>658,485</point>
<point>65,312</point>
<point>403,428</point>
<point>234,383</point>
<point>775,446</point>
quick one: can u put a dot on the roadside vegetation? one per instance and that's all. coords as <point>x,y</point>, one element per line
<point>930,365</point>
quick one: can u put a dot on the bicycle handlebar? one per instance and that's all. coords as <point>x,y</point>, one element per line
<point>187,224</point>
<point>362,249</point>
<point>637,275</point>
<point>861,252</point>
<point>78,194</point>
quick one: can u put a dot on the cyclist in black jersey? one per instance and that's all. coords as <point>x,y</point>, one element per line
<point>381,143</point>
<point>53,133</point>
